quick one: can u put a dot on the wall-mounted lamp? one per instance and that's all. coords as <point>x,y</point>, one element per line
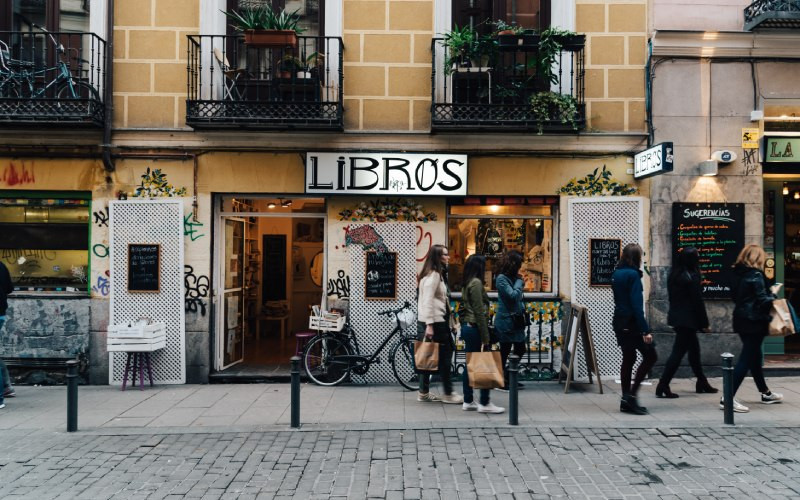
<point>286,203</point>
<point>785,189</point>
<point>708,168</point>
<point>271,205</point>
<point>797,195</point>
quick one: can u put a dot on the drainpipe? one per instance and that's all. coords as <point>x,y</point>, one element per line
<point>108,95</point>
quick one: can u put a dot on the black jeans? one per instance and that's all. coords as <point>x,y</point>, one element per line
<point>441,334</point>
<point>685,341</point>
<point>505,350</point>
<point>649,358</point>
<point>750,359</point>
<point>472,343</point>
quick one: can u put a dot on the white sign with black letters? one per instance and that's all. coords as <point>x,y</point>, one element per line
<point>653,161</point>
<point>409,174</point>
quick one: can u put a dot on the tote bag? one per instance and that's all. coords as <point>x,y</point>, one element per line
<point>484,370</point>
<point>426,356</point>
<point>781,324</point>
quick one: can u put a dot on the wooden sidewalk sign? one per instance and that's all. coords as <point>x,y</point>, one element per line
<point>578,325</point>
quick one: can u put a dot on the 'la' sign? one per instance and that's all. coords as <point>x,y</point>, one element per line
<point>412,174</point>
<point>653,161</point>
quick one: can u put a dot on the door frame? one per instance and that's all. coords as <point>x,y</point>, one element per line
<point>217,269</point>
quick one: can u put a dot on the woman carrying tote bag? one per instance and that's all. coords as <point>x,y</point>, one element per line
<point>475,329</point>
<point>509,318</point>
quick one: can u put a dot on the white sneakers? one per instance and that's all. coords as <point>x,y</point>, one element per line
<point>470,406</point>
<point>428,397</point>
<point>490,408</point>
<point>769,398</point>
<point>737,406</point>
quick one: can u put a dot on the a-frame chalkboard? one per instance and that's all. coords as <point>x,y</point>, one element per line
<point>578,325</point>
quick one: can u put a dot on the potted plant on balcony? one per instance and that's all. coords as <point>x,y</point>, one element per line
<point>264,27</point>
<point>466,48</point>
<point>511,36</point>
<point>303,68</point>
<point>553,107</point>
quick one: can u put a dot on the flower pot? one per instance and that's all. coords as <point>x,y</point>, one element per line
<point>573,42</point>
<point>271,38</point>
<point>516,41</point>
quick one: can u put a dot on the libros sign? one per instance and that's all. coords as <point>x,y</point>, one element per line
<point>653,161</point>
<point>409,174</point>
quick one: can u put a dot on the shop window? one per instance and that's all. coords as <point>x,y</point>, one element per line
<point>490,229</point>
<point>54,15</point>
<point>45,242</point>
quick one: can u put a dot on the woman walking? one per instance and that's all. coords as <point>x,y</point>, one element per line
<point>630,326</point>
<point>475,328</point>
<point>687,315</point>
<point>433,315</point>
<point>751,321</point>
<point>509,316</point>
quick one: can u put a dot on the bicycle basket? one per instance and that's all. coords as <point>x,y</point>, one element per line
<point>406,318</point>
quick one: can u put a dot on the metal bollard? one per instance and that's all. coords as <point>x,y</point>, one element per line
<point>513,389</point>
<point>295,392</point>
<point>72,395</point>
<point>727,386</point>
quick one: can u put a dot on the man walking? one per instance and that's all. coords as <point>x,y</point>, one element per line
<point>5,289</point>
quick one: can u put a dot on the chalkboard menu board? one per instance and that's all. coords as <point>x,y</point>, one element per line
<point>381,275</point>
<point>717,231</point>
<point>603,257</point>
<point>144,267</point>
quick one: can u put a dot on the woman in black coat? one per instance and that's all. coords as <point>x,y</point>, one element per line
<point>687,315</point>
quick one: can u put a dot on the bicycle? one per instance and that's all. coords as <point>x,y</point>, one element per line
<point>18,77</point>
<point>330,357</point>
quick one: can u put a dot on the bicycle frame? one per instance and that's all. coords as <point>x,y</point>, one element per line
<point>352,340</point>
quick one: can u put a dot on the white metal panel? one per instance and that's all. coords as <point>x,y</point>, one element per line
<point>149,221</point>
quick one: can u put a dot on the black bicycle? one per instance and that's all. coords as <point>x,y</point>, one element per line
<point>330,357</point>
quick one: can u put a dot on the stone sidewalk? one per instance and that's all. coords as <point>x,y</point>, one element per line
<point>265,407</point>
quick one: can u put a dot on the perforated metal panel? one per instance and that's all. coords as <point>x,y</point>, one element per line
<point>371,328</point>
<point>600,217</point>
<point>149,221</point>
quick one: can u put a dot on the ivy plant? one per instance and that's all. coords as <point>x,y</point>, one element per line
<point>597,184</point>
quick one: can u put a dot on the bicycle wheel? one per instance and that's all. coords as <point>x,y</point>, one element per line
<point>80,98</point>
<point>320,363</point>
<point>403,364</point>
<point>8,89</point>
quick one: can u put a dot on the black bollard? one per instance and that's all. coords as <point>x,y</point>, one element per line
<point>727,386</point>
<point>513,389</point>
<point>295,392</point>
<point>72,395</point>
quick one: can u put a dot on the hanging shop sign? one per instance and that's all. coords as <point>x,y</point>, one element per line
<point>717,231</point>
<point>653,161</point>
<point>391,174</point>
<point>782,150</point>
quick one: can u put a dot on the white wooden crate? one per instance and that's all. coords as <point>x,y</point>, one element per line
<point>319,323</point>
<point>134,331</point>
<point>137,345</point>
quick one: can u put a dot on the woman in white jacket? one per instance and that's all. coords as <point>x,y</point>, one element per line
<point>433,322</point>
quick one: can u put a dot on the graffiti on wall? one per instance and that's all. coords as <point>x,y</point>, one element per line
<point>154,184</point>
<point>339,287</point>
<point>196,291</point>
<point>17,175</point>
<point>422,236</point>
<point>750,161</point>
<point>101,217</point>
<point>100,250</point>
<point>102,283</point>
<point>12,255</point>
<point>366,237</point>
<point>191,228</point>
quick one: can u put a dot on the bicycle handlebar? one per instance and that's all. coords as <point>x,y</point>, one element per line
<point>57,45</point>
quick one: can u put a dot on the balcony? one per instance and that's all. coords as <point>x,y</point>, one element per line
<point>511,89</point>
<point>233,84</point>
<point>51,79</point>
<point>772,14</point>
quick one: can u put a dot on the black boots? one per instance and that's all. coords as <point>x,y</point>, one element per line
<point>662,391</point>
<point>703,387</point>
<point>629,404</point>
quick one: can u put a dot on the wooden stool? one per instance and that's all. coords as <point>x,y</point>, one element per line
<point>140,359</point>
<point>301,339</point>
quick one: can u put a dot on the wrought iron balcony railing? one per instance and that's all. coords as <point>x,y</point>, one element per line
<point>772,14</point>
<point>232,83</point>
<point>51,78</point>
<point>512,87</point>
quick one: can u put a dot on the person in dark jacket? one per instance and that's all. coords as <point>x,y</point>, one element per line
<point>630,326</point>
<point>509,286</point>
<point>751,318</point>
<point>6,287</point>
<point>687,315</point>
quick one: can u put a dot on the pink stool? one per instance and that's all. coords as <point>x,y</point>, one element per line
<point>301,339</point>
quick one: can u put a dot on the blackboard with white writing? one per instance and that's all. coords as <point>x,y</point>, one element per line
<point>603,256</point>
<point>144,267</point>
<point>717,231</point>
<point>381,275</point>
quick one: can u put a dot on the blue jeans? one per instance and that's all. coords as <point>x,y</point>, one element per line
<point>472,343</point>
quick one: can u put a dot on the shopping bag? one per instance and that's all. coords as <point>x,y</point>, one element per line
<point>795,318</point>
<point>484,369</point>
<point>781,323</point>
<point>426,356</point>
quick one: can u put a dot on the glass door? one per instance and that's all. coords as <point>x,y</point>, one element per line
<point>230,348</point>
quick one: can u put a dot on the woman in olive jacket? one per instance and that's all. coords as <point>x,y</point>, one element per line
<point>687,315</point>
<point>509,286</point>
<point>751,321</point>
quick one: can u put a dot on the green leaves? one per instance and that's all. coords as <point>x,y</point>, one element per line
<point>263,17</point>
<point>551,106</point>
<point>597,184</point>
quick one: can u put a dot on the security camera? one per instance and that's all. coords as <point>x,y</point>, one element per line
<point>724,156</point>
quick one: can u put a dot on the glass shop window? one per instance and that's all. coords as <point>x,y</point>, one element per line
<point>45,243</point>
<point>490,229</point>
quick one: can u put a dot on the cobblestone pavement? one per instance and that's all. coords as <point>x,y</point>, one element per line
<point>544,462</point>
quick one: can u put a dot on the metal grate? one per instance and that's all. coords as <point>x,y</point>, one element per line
<point>600,217</point>
<point>149,221</point>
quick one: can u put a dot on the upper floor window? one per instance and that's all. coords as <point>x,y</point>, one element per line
<point>532,14</point>
<point>53,15</point>
<point>310,12</point>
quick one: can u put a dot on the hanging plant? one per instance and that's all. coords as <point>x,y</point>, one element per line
<point>597,184</point>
